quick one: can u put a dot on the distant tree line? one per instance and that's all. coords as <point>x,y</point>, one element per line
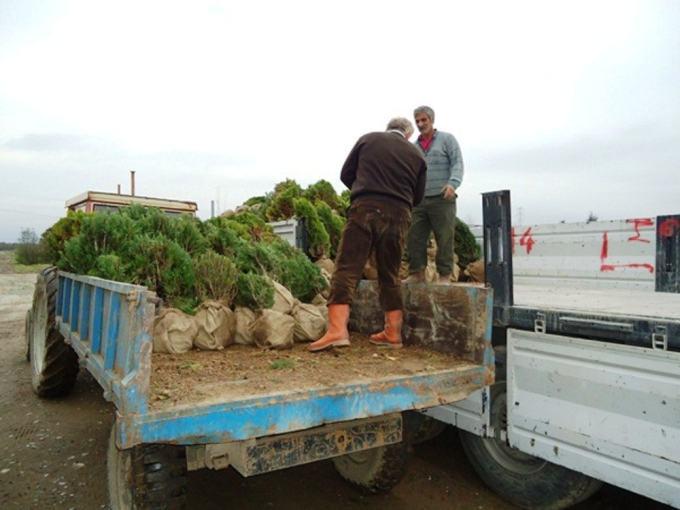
<point>28,249</point>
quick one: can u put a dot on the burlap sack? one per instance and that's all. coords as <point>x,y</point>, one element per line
<point>326,264</point>
<point>327,284</point>
<point>173,331</point>
<point>283,299</point>
<point>475,271</point>
<point>216,326</point>
<point>431,272</point>
<point>310,323</point>
<point>319,300</point>
<point>244,318</point>
<point>273,330</point>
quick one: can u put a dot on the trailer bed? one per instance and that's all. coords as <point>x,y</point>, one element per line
<point>201,378</point>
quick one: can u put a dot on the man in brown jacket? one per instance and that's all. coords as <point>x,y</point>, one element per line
<point>386,176</point>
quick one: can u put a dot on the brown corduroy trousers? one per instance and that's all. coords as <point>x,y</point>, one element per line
<point>372,225</point>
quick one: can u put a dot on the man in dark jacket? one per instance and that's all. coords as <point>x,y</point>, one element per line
<point>386,176</point>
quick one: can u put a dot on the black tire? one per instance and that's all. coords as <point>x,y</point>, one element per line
<point>376,470</point>
<point>524,480</point>
<point>54,364</point>
<point>146,477</point>
<point>419,428</point>
<point>28,326</point>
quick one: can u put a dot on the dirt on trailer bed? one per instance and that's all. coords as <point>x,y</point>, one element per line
<point>241,371</point>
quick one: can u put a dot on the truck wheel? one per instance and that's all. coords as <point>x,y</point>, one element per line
<point>376,470</point>
<point>151,476</point>
<point>54,364</point>
<point>27,333</point>
<point>419,428</point>
<point>524,480</point>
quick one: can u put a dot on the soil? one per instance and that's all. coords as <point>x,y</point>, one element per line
<point>53,453</point>
<point>241,371</point>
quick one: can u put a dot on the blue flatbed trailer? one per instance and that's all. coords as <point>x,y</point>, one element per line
<point>108,325</point>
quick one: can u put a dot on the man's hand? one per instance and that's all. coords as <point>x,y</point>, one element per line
<point>448,192</point>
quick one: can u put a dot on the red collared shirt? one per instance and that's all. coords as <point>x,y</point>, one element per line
<point>426,142</point>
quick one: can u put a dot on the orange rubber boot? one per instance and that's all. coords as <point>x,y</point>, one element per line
<point>337,334</point>
<point>391,335</point>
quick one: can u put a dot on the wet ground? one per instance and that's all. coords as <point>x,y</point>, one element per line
<point>53,452</point>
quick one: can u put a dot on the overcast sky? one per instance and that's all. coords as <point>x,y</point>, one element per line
<point>573,106</point>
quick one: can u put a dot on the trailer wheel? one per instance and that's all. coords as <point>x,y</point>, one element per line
<point>151,476</point>
<point>524,480</point>
<point>54,364</point>
<point>419,428</point>
<point>376,470</point>
<point>27,333</point>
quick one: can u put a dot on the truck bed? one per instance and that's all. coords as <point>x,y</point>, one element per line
<point>608,301</point>
<point>200,378</point>
<point>631,316</point>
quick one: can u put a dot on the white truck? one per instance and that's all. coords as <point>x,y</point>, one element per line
<point>587,376</point>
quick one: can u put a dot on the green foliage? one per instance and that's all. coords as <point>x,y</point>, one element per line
<point>109,267</point>
<point>282,204</point>
<point>334,224</point>
<point>323,191</point>
<point>100,234</point>
<point>466,247</point>
<point>29,254</point>
<point>256,200</point>
<point>215,277</point>
<point>56,236</point>
<point>187,233</point>
<point>184,260</point>
<point>285,264</point>
<point>255,225</point>
<point>345,200</point>
<point>254,291</point>
<point>282,364</point>
<point>161,264</point>
<point>319,240</point>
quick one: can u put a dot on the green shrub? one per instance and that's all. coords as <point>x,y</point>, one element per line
<point>161,264</point>
<point>100,234</point>
<point>282,205</point>
<point>254,291</point>
<point>465,245</point>
<point>287,265</point>
<point>56,236</point>
<point>319,241</point>
<point>109,267</point>
<point>334,224</point>
<point>323,191</point>
<point>215,277</point>
<point>29,254</point>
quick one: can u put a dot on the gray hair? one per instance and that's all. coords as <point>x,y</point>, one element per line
<point>426,110</point>
<point>400,124</point>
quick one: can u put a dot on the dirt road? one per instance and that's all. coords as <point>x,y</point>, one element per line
<point>53,453</point>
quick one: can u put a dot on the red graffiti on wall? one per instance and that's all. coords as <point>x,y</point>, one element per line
<point>604,253</point>
<point>669,226</point>
<point>637,223</point>
<point>527,241</point>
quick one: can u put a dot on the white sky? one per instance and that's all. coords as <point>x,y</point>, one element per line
<point>572,105</point>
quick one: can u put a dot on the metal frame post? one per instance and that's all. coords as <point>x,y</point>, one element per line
<point>668,253</point>
<point>498,252</point>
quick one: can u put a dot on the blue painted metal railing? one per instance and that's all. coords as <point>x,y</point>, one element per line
<point>108,324</point>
